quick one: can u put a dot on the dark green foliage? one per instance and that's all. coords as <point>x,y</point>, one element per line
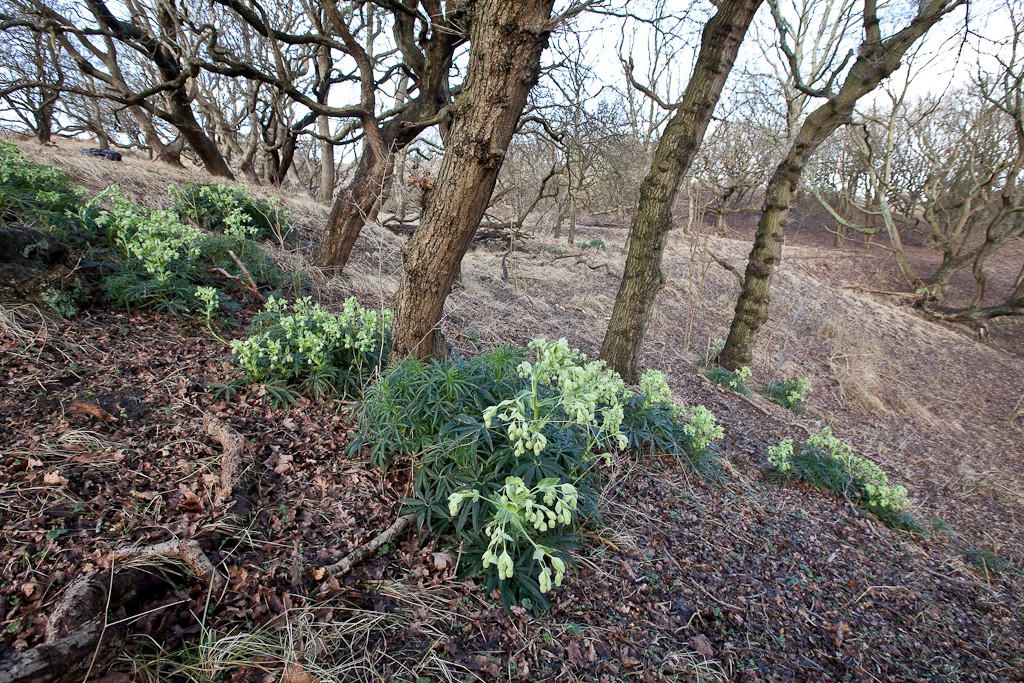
<point>659,428</point>
<point>989,563</point>
<point>222,208</point>
<point>433,413</point>
<point>736,380</point>
<point>592,244</point>
<point>789,393</point>
<point>216,253</point>
<point>41,197</point>
<point>828,463</point>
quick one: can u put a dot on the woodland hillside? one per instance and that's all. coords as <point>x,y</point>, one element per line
<point>546,340</point>
<point>110,421</point>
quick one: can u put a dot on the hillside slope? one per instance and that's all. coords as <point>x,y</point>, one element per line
<point>750,579</point>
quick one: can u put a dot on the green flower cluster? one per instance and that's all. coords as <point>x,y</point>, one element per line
<point>153,240</point>
<point>588,394</point>
<point>789,393</point>
<point>521,513</point>
<point>825,461</point>
<point>654,387</point>
<point>703,428</point>
<point>221,208</point>
<point>304,341</point>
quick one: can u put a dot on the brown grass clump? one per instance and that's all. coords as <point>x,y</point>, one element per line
<point>852,363</point>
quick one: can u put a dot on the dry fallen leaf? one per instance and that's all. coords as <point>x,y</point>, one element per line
<point>54,479</point>
<point>442,561</point>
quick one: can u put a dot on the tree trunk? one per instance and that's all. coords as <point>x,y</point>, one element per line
<point>642,278</point>
<point>876,61</point>
<point>164,153</point>
<point>355,205</point>
<point>325,191</point>
<point>506,42</point>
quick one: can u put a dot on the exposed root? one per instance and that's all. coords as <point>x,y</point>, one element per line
<point>231,461</point>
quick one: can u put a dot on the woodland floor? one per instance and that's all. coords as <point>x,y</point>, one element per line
<point>749,579</point>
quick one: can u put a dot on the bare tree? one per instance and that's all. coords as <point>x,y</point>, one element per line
<point>877,59</point>
<point>676,150</point>
<point>506,42</point>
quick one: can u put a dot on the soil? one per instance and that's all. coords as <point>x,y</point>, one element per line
<point>748,579</point>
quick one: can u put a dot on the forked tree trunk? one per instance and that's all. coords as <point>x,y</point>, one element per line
<point>506,42</point>
<point>876,61</point>
<point>356,204</point>
<point>652,221</point>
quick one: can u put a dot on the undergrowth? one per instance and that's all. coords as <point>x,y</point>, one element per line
<point>507,449</point>
<point>41,197</point>
<point>302,347</point>
<point>224,209</point>
<point>734,380</point>
<point>158,261</point>
<point>789,393</point>
<point>828,463</point>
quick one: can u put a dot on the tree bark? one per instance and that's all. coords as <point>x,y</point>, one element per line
<point>506,42</point>
<point>877,60</point>
<point>643,278</point>
<point>356,204</point>
<point>360,201</point>
<point>325,191</point>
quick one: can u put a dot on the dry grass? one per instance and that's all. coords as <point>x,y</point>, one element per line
<point>852,360</point>
<point>337,643</point>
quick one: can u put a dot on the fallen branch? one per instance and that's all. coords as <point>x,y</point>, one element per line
<point>345,564</point>
<point>248,282</point>
<point>728,266</point>
<point>231,460</point>
<point>886,292</point>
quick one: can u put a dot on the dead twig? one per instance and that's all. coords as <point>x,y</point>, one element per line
<point>245,271</point>
<point>360,554</point>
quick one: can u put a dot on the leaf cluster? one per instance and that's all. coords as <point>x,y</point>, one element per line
<point>498,439</point>
<point>303,346</point>
<point>41,197</point>
<point>158,261</point>
<point>789,393</point>
<point>830,464</point>
<point>230,211</point>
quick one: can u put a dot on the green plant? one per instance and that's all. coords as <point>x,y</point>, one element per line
<point>210,299</point>
<point>735,380</point>
<point>653,423</point>
<point>826,462</point>
<point>228,210</point>
<point>789,393</point>
<point>66,302</point>
<point>592,244</point>
<point>507,448</point>
<point>988,562</point>
<point>306,347</point>
<point>159,261</point>
<point>158,254</point>
<point>41,197</point>
<point>557,250</point>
